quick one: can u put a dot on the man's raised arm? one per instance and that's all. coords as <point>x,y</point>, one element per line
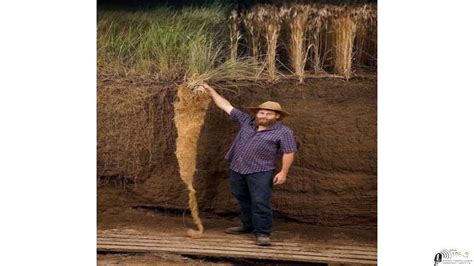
<point>220,101</point>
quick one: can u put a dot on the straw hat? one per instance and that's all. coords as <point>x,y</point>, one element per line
<point>269,105</point>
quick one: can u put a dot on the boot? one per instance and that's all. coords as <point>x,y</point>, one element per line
<point>263,240</point>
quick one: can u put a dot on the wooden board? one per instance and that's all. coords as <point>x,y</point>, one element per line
<point>213,246</point>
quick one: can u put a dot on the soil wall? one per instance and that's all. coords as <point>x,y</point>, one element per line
<point>333,180</point>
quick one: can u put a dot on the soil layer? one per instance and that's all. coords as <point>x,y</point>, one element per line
<point>333,180</point>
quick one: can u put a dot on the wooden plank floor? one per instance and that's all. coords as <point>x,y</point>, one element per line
<point>213,246</point>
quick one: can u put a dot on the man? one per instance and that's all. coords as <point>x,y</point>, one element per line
<point>252,157</point>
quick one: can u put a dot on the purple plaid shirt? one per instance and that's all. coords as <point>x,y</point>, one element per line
<point>257,151</point>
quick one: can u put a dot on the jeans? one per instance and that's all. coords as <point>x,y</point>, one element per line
<point>254,194</point>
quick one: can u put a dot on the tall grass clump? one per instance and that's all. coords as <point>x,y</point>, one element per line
<point>318,18</point>
<point>252,21</point>
<point>324,34</point>
<point>272,21</point>
<point>165,43</point>
<point>344,31</point>
<point>117,43</point>
<point>163,50</point>
<point>298,23</point>
<point>234,29</point>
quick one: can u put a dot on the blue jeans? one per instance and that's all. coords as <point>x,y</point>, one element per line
<point>254,194</point>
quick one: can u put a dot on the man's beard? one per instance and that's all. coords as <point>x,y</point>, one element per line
<point>266,123</point>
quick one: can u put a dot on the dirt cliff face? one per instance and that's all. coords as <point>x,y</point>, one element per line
<point>333,180</point>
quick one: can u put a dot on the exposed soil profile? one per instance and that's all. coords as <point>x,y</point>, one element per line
<point>332,182</point>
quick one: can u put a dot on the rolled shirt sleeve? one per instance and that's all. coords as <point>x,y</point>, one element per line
<point>288,142</point>
<point>238,116</point>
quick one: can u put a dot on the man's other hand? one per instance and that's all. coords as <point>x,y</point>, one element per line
<point>280,178</point>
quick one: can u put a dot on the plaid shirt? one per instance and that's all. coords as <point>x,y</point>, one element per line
<point>257,151</point>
